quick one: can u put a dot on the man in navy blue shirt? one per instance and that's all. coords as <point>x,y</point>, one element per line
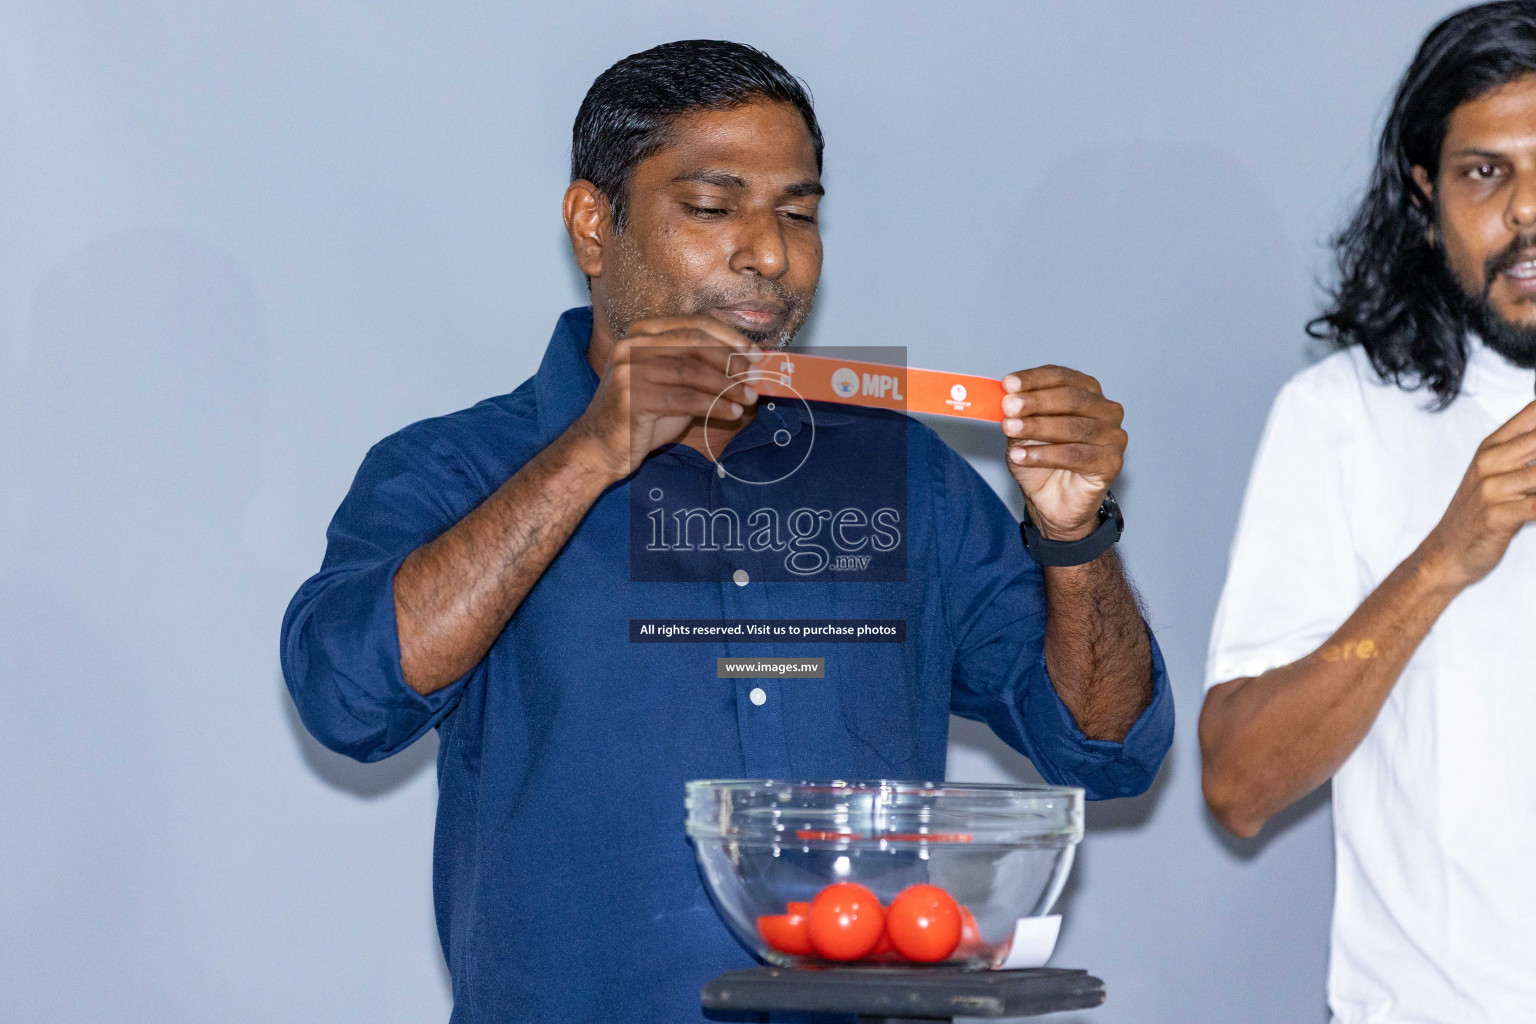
<point>483,572</point>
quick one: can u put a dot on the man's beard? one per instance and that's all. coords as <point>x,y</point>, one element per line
<point>1515,342</point>
<point>797,307</point>
<point>635,300</point>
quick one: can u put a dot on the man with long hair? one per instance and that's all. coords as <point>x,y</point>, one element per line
<point>1376,626</point>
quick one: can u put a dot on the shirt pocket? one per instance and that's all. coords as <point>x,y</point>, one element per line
<point>879,692</point>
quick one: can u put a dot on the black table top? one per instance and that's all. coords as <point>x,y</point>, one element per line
<point>922,993</point>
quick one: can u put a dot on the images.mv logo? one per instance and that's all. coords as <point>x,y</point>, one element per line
<point>846,383</point>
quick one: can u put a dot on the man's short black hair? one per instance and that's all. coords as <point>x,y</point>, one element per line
<point>628,113</point>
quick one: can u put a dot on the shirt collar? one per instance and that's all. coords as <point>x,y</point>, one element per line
<point>565,383</point>
<point>1498,385</point>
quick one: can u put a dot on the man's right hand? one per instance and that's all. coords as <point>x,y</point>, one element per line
<point>663,375</point>
<point>455,594</point>
<point>1496,498</point>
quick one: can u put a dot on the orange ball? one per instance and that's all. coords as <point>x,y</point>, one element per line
<point>924,923</point>
<point>787,933</point>
<point>971,942</point>
<point>846,921</point>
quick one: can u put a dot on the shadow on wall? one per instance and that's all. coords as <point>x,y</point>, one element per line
<point>127,614</point>
<point>1162,268</point>
<point>143,412</point>
<point>977,752</point>
<point>1279,825</point>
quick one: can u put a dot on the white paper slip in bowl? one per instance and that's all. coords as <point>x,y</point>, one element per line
<point>1034,940</point>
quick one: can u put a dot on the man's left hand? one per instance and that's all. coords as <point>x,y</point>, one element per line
<point>1065,447</point>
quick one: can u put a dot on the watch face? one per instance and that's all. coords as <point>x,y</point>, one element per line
<point>1111,510</point>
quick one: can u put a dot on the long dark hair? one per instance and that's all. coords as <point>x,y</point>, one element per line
<point>1396,297</point>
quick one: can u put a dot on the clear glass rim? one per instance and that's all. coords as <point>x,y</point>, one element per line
<point>977,814</point>
<point>886,785</point>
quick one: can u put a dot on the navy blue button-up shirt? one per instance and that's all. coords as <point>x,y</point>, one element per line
<point>565,887</point>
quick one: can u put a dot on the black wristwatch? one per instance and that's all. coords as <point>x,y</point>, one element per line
<point>1076,552</point>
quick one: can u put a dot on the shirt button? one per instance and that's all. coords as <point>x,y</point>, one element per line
<point>741,577</point>
<point>759,696</point>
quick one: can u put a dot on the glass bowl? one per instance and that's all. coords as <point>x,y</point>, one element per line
<point>1002,853</point>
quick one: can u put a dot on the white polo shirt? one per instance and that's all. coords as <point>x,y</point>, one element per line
<point>1434,914</point>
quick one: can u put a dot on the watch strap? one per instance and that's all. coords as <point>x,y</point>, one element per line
<point>1060,553</point>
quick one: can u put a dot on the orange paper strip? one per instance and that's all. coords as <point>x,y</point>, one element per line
<point>907,388</point>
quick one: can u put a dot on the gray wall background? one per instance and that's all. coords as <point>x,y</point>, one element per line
<point>240,242</point>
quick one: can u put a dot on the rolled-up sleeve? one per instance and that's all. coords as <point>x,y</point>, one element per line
<point>340,643</point>
<point>995,603</point>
